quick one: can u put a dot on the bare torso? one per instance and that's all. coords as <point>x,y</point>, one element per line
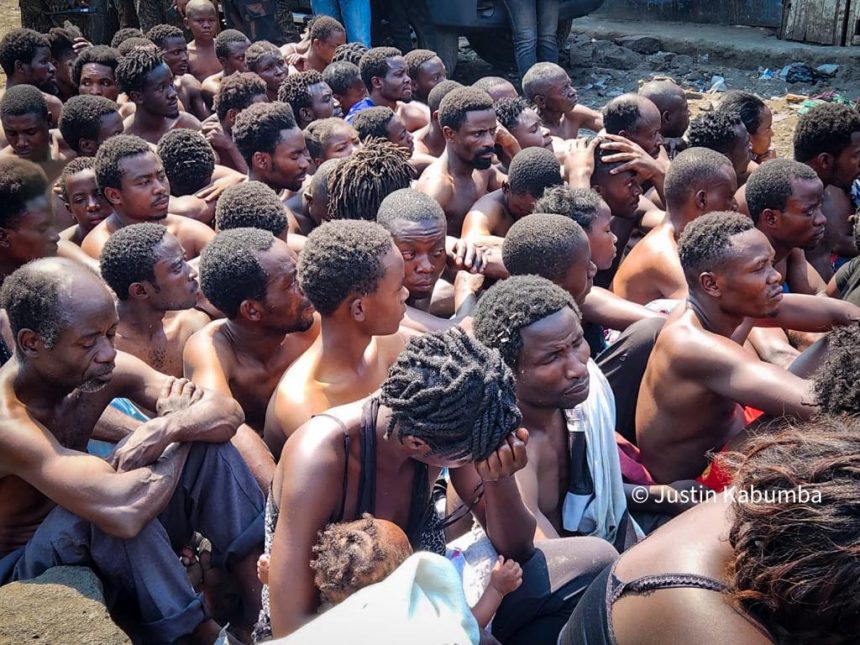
<point>162,347</point>
<point>184,120</point>
<point>202,60</point>
<point>652,270</point>
<point>455,195</point>
<point>192,235</point>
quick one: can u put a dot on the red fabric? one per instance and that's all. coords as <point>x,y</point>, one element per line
<point>632,469</point>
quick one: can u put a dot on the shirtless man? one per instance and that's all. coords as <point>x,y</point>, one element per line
<point>250,276</point>
<point>699,181</point>
<point>314,200</point>
<point>309,96</point>
<point>236,93</point>
<point>81,197</point>
<point>94,72</point>
<point>464,172</point>
<point>156,291</point>
<point>531,172</point>
<point>63,507</point>
<point>25,56</point>
<point>497,87</point>
<point>331,138</point>
<point>132,179</point>
<point>635,118</point>
<point>267,62</point>
<point>325,35</point>
<point>344,79</point>
<point>426,70</point>
<point>827,139</point>
<point>171,43</point>
<point>429,139</point>
<point>547,86</point>
<point>353,275</point>
<point>381,122</point>
<point>699,376</point>
<point>523,122</point>
<point>726,134</point>
<point>230,48</point>
<point>201,19</point>
<point>385,74</point>
<point>87,121</point>
<point>143,75</point>
<point>674,111</point>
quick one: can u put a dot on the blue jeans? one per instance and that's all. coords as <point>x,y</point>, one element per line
<point>534,24</point>
<point>353,14</point>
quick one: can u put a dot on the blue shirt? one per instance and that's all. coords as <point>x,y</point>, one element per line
<point>363,104</point>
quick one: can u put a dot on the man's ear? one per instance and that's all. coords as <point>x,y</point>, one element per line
<point>230,117</point>
<point>596,188</point>
<point>137,290</point>
<point>357,310</point>
<point>261,160</point>
<point>506,188</point>
<point>135,96</point>
<point>306,114</point>
<point>824,160</point>
<point>87,147</point>
<point>701,200</point>
<point>448,133</point>
<point>4,237</point>
<point>665,115</point>
<point>251,310</point>
<point>113,195</point>
<point>415,444</point>
<point>539,101</point>
<point>20,67</point>
<point>708,282</point>
<point>376,82</point>
<point>771,217</point>
<point>29,341</point>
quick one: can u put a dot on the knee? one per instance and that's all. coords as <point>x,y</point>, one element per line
<point>599,553</point>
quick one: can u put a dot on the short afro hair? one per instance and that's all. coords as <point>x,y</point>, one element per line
<point>62,41</point>
<point>98,55</point>
<point>769,186</point>
<point>76,165</point>
<point>537,77</point>
<point>532,171</point>
<point>434,98</point>
<point>374,63</point>
<point>251,204</point>
<point>257,50</point>
<point>237,92</point>
<point>407,204</point>
<point>543,244</point>
<point>706,243</point>
<point>20,182</point>
<point>835,382</point>
<point>694,169</point>
<point>81,118</point>
<point>826,128</point>
<point>622,113</point>
<point>131,44</point>
<point>189,160</point>
<point>135,67</point>
<point>230,271</point>
<point>715,130</point>
<point>459,102</point>
<point>512,304</point>
<point>130,255</point>
<point>20,45</point>
<point>373,122</point>
<point>359,184</point>
<point>341,259</point>
<point>582,205</point>
<point>258,128</point>
<point>341,76</point>
<point>318,133</point>
<point>19,100</point>
<point>349,53</point>
<point>295,90</point>
<point>124,34</point>
<point>508,111</point>
<point>745,105</point>
<point>226,39</point>
<point>323,27</point>
<point>493,85</point>
<point>110,155</point>
<point>160,33</point>
<point>416,58</point>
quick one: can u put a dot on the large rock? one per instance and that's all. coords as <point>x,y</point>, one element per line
<point>63,605</point>
<point>607,54</point>
<point>642,44</point>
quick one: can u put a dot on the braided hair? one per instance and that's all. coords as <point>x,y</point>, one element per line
<point>454,393</point>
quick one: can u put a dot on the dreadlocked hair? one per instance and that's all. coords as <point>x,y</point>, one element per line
<point>835,382</point>
<point>353,555</point>
<point>454,393</point>
<point>349,53</point>
<point>124,34</point>
<point>136,66</point>
<point>359,184</point>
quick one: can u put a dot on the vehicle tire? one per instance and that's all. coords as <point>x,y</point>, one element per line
<point>497,46</point>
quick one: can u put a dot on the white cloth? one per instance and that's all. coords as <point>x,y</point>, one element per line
<point>420,603</point>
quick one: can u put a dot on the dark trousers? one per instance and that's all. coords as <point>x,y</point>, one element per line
<point>534,24</point>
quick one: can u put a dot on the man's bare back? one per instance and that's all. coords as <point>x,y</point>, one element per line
<point>184,120</point>
<point>488,216</point>
<point>652,269</point>
<point>192,235</point>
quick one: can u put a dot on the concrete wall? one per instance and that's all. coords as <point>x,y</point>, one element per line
<point>756,13</point>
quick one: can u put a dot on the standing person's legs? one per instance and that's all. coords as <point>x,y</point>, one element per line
<point>327,8</point>
<point>398,24</point>
<point>523,19</point>
<point>356,19</point>
<point>547,26</point>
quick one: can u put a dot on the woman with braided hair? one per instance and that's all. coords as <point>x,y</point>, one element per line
<point>448,401</point>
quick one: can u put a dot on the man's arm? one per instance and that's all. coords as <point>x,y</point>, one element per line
<point>605,308</point>
<point>114,426</point>
<point>811,313</point>
<point>836,206</point>
<point>801,276</point>
<point>586,117</point>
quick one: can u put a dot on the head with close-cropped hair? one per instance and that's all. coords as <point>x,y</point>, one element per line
<point>331,138</point>
<point>426,70</point>
<point>87,121</point>
<point>497,87</point>
<point>723,132</point>
<point>351,271</point>
<point>26,122</point>
<point>531,172</point>
<point>384,72</point>
<point>25,56</point>
<point>124,34</point>
<point>358,185</point>
<point>140,74</point>
<point>523,122</point>
<point>230,48</point>
<point>171,43</point>
<point>700,180</point>
<point>81,196</point>
<point>636,118</point>
<point>238,92</point>
<point>94,72</point>
<point>344,79</point>
<point>554,247</point>
<point>326,34</point>
<point>794,568</point>
<point>828,139</point>
<point>588,209</point>
<point>317,194</point>
<point>189,160</point>
<point>434,99</point>
<point>835,382</point>
<point>62,40</point>
<point>349,53</point>
<point>672,103</point>
<point>380,122</point>
<point>267,62</point>
<point>464,113</point>
<point>755,114</point>
<point>547,86</point>
<point>251,204</point>
<point>309,96</point>
<point>621,191</point>
<point>27,229</point>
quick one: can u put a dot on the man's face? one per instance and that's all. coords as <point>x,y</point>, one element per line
<point>739,153</point>
<point>720,194</point>
<point>422,245</point>
<point>621,192</point>
<point>98,80</point>
<point>85,201</point>
<point>175,54</point>
<point>144,192</point>
<point>159,95</point>
<point>475,141</point>
<point>748,283</point>
<point>202,22</point>
<point>760,141</point>
<point>271,68</point>
<point>802,223</point>
<point>601,239</point>
<point>286,309</point>
<point>399,135</point>
<point>385,307</point>
<point>529,132</point>
<point>318,198</point>
<point>847,164</point>
<point>676,118</point>
<point>647,130</point>
<point>580,276</point>
<point>341,143</point>
<point>430,74</point>
<point>64,67</point>
<point>33,235</point>
<point>109,126</point>
<point>235,60</point>
<point>175,286</point>
<point>552,368</point>
<point>289,163</point>
<point>323,104</point>
<point>28,135</point>
<point>396,84</point>
<point>41,71</point>
<point>325,48</point>
<point>518,205</point>
<point>356,92</point>
<point>559,94</point>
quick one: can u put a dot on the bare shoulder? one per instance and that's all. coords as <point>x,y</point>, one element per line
<point>95,239</point>
<point>187,120</point>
